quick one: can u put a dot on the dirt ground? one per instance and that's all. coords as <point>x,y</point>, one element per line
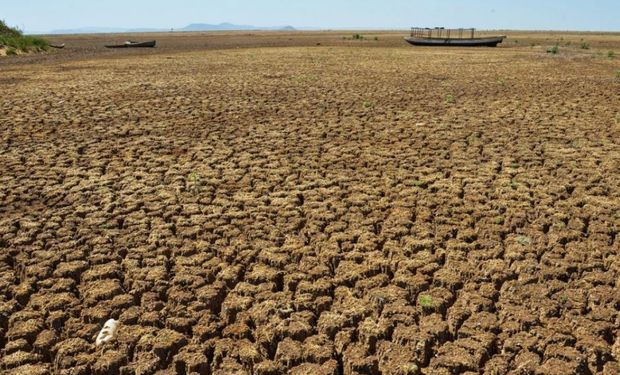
<point>311,205</point>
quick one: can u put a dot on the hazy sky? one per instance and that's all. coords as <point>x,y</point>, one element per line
<point>45,15</point>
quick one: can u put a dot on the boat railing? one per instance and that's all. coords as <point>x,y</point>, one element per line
<point>440,32</point>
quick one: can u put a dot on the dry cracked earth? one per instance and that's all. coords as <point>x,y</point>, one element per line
<point>311,210</point>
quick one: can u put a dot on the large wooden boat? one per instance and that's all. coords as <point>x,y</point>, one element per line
<point>440,36</point>
<point>132,44</point>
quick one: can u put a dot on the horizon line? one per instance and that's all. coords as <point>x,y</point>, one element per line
<point>121,30</point>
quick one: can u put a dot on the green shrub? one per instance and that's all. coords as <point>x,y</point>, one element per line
<point>15,40</point>
<point>585,45</point>
<point>611,54</point>
<point>194,183</point>
<point>524,240</point>
<point>554,50</point>
<point>426,301</point>
<point>7,31</point>
<point>11,51</point>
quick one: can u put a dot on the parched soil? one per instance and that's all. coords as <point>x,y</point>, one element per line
<point>336,209</point>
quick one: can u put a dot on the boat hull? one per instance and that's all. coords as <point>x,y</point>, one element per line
<point>148,44</point>
<point>491,41</point>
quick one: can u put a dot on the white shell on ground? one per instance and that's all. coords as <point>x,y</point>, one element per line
<point>108,332</point>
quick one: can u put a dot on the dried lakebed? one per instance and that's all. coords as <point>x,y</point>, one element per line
<point>312,210</point>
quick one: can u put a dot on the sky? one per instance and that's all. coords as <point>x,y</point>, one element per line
<point>47,15</point>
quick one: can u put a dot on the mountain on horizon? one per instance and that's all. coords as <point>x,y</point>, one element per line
<point>103,30</point>
<point>226,26</point>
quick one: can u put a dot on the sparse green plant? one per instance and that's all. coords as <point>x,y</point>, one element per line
<point>514,165</point>
<point>426,301</point>
<point>194,183</point>
<point>358,37</point>
<point>514,184</point>
<point>618,118</point>
<point>577,144</point>
<point>524,240</point>
<point>449,98</point>
<point>585,45</point>
<point>367,104</point>
<point>554,50</point>
<point>499,220</point>
<point>472,139</point>
<point>611,54</point>
<point>567,43</point>
<point>376,38</point>
<point>501,81</point>
<point>617,73</point>
<point>564,299</point>
<point>11,51</point>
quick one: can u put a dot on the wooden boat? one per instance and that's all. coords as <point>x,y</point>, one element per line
<point>59,46</point>
<point>451,38</point>
<point>132,44</point>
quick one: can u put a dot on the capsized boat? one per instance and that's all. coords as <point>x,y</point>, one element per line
<point>440,36</point>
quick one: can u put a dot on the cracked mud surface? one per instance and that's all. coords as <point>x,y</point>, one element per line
<point>312,210</point>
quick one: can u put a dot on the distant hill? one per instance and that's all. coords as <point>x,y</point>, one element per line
<point>192,27</point>
<point>229,26</point>
<point>103,30</point>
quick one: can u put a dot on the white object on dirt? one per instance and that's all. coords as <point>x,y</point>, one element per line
<point>108,332</point>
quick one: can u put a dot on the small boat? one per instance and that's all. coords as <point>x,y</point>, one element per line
<point>132,44</point>
<point>59,46</point>
<point>440,36</point>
